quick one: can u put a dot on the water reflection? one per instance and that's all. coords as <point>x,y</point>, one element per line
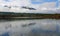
<point>38,27</point>
<point>30,24</point>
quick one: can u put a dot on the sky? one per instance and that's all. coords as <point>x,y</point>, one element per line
<point>41,6</point>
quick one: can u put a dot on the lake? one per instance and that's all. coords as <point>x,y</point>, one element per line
<point>32,27</point>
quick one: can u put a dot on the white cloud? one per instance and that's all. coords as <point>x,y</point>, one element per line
<point>15,2</point>
<point>18,3</point>
<point>47,7</point>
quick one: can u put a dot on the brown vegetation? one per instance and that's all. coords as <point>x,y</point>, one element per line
<point>31,15</point>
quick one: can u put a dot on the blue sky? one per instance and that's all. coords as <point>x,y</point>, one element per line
<point>42,1</point>
<point>7,0</point>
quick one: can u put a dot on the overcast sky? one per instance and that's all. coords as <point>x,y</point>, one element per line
<point>42,6</point>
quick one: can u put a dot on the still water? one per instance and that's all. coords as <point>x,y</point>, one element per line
<point>36,27</point>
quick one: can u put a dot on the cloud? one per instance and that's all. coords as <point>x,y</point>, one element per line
<point>46,7</point>
<point>15,2</point>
